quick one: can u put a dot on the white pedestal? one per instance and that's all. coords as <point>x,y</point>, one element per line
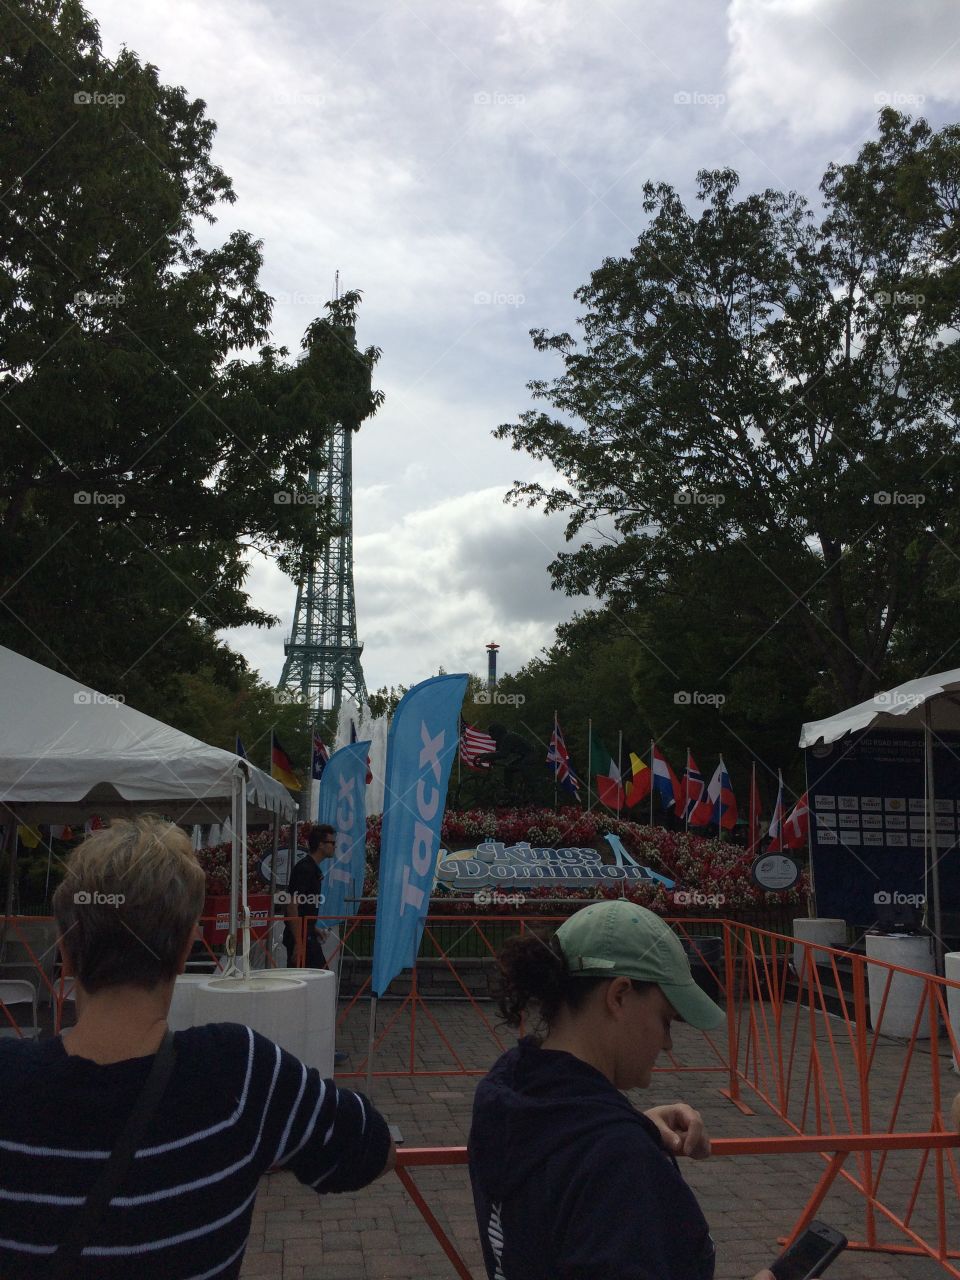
<point>183,1005</point>
<point>951,970</point>
<point>906,992</point>
<point>825,930</point>
<point>320,1026</point>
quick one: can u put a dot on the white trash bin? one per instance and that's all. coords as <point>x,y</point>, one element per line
<point>910,951</point>
<point>271,1003</point>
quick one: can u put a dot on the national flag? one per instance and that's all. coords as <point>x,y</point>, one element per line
<point>606,772</point>
<point>559,758</point>
<point>797,826</point>
<point>473,743</point>
<point>320,757</point>
<point>775,831</point>
<point>693,786</point>
<point>241,750</point>
<point>638,784</point>
<point>719,804</point>
<point>281,766</point>
<point>753,834</point>
<point>665,781</point>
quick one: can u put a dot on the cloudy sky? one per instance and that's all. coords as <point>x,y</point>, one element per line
<point>467,163</point>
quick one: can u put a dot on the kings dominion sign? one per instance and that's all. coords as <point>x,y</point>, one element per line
<point>521,864</point>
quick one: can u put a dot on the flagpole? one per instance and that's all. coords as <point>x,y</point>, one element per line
<point>556,769</point>
<point>754,824</point>
<point>651,782</point>
<point>723,769</point>
<point>686,796</point>
<point>589,759</point>
<point>619,770</point>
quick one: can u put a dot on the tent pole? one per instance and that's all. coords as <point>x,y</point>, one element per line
<point>275,849</point>
<point>930,824</point>
<point>10,848</point>
<point>244,898</point>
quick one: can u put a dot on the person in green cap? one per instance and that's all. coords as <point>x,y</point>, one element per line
<point>569,1180</point>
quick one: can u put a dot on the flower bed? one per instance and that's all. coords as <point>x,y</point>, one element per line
<point>712,876</point>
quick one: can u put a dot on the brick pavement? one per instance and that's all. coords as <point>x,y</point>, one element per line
<point>749,1201</point>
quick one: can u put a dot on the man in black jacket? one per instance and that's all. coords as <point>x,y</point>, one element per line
<point>305,897</point>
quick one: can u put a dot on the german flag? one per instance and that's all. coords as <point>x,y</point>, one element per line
<point>281,766</point>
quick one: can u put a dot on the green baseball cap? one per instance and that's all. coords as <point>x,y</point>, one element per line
<point>621,940</point>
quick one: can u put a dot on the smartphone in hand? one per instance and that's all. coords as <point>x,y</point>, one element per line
<point>810,1254</point>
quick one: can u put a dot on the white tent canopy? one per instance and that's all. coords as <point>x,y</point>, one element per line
<point>899,708</point>
<point>930,705</point>
<point>68,753</point>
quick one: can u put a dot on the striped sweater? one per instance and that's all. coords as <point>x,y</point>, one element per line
<point>236,1106</point>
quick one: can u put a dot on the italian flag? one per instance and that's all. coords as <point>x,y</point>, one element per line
<point>607,775</point>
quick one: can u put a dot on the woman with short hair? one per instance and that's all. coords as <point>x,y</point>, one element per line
<point>570,1181</point>
<point>234,1104</point>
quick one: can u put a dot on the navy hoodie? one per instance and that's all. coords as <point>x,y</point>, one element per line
<point>571,1182</point>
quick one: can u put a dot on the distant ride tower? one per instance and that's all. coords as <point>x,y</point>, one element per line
<point>322,662</point>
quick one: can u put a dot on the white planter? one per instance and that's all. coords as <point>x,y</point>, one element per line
<point>951,970</point>
<point>906,992</point>
<point>826,931</point>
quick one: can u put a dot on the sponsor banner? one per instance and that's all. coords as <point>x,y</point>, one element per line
<point>343,789</point>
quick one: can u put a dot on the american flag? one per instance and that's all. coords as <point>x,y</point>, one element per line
<point>473,743</point>
<point>559,758</point>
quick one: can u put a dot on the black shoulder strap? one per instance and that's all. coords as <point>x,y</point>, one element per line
<point>67,1257</point>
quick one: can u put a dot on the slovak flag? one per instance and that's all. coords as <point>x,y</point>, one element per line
<point>691,792</point>
<point>665,781</point>
<point>719,805</point>
<point>797,826</point>
<point>775,831</point>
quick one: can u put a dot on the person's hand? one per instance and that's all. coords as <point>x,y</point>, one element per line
<point>321,934</point>
<point>681,1129</point>
<point>765,1274</point>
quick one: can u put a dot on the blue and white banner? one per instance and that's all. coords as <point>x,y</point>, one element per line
<point>421,748</point>
<point>343,806</point>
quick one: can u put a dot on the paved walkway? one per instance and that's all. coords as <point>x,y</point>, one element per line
<point>749,1201</point>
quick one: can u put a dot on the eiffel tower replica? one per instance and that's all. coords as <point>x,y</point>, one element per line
<point>322,663</point>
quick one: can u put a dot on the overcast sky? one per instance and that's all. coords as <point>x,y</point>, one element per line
<point>466,165</point>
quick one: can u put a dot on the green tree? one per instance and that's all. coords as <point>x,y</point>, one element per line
<point>142,458</point>
<point>759,435</point>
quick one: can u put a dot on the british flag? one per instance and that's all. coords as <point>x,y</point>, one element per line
<point>559,758</point>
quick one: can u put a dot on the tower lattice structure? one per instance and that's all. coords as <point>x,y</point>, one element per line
<point>322,661</point>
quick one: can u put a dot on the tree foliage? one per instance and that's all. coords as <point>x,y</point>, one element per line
<point>757,436</point>
<point>152,436</point>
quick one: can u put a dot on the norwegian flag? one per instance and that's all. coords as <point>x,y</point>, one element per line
<point>691,789</point>
<point>473,743</point>
<point>559,758</point>
<point>719,804</point>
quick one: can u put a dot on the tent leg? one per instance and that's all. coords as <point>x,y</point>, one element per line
<point>10,848</point>
<point>931,827</point>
